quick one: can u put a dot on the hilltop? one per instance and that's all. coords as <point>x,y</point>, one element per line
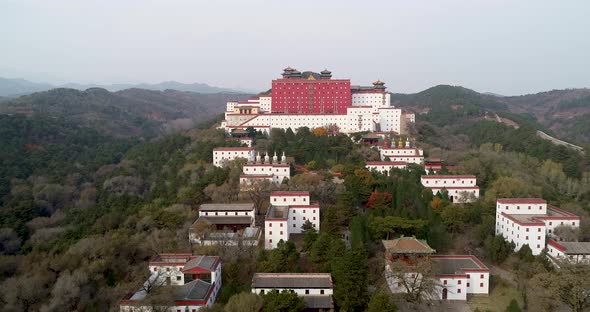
<point>126,113</point>
<point>17,87</point>
<point>562,113</point>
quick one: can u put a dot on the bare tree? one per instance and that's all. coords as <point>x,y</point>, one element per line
<point>259,192</point>
<point>570,284</point>
<point>417,281</point>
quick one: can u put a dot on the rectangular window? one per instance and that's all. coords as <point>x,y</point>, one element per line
<point>459,282</point>
<point>481,276</point>
<point>444,282</point>
<point>459,290</point>
<point>480,284</point>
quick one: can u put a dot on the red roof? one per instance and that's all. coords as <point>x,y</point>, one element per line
<point>556,245</point>
<point>521,201</point>
<point>388,163</point>
<point>448,177</point>
<point>289,193</point>
<point>232,149</point>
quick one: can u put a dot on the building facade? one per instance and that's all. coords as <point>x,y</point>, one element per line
<point>223,155</point>
<point>275,171</point>
<point>316,100</point>
<point>460,188</point>
<point>287,214</point>
<point>528,221</point>
<point>233,223</point>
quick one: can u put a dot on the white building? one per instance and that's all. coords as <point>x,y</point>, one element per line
<point>315,288</point>
<point>529,221</point>
<point>196,281</point>
<point>222,155</point>
<point>287,213</point>
<point>460,188</point>
<point>456,275</point>
<point>385,166</point>
<point>274,171</point>
<point>233,223</point>
<point>404,152</point>
<point>370,111</point>
<point>574,252</point>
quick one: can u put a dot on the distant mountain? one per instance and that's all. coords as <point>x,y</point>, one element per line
<point>126,113</point>
<point>13,87</point>
<point>17,87</point>
<point>564,113</point>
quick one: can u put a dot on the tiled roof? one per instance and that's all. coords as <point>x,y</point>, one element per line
<point>194,290</point>
<point>292,280</point>
<point>456,264</point>
<point>289,193</point>
<point>571,248</point>
<point>227,207</point>
<point>227,219</point>
<point>207,263</point>
<point>318,301</point>
<point>407,245</point>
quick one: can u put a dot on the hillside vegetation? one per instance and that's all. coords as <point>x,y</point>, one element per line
<point>127,113</point>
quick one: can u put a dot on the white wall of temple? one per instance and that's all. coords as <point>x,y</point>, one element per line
<point>521,234</point>
<point>173,308</point>
<point>265,103</point>
<point>384,167</point>
<point>226,213</point>
<point>358,119</point>
<point>409,159</point>
<point>286,199</point>
<point>162,272</point>
<point>221,155</point>
<point>274,231</point>
<point>390,119</point>
<point>404,151</point>
<point>450,181</point>
<point>459,195</point>
<point>554,252</point>
<point>299,215</point>
<point>532,207</point>
<point>551,224</point>
<point>374,99</point>
<point>279,171</point>
<point>299,291</point>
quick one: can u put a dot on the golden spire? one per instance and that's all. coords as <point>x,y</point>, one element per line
<point>400,144</point>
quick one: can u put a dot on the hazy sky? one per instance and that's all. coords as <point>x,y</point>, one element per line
<point>507,47</point>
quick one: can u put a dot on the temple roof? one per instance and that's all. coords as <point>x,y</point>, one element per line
<point>407,245</point>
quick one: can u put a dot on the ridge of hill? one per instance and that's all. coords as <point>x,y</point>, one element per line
<point>562,113</point>
<point>126,113</point>
<point>17,87</point>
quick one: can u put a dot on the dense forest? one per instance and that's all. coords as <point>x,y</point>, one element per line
<point>82,212</point>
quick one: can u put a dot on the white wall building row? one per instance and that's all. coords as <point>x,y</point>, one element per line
<point>275,172</point>
<point>460,188</point>
<point>287,213</point>
<point>223,155</point>
<point>528,221</point>
<point>385,167</point>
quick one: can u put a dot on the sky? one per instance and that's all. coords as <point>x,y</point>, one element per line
<point>506,47</point>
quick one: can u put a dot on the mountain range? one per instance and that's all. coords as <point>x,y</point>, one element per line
<point>125,113</point>
<point>562,113</point>
<point>16,87</point>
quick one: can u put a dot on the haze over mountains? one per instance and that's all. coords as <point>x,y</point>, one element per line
<point>16,87</point>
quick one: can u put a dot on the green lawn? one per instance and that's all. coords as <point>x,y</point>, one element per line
<point>500,296</point>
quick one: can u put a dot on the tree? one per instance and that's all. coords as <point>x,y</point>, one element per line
<point>569,284</point>
<point>320,131</point>
<point>380,202</point>
<point>417,281</point>
<point>513,306</point>
<point>310,235</point>
<point>281,259</point>
<point>497,248</point>
<point>244,302</point>
<point>381,302</point>
<point>202,229</point>
<point>350,275</point>
<point>259,192</point>
<point>284,301</point>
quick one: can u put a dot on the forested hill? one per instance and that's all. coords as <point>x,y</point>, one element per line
<point>563,113</point>
<point>126,113</point>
